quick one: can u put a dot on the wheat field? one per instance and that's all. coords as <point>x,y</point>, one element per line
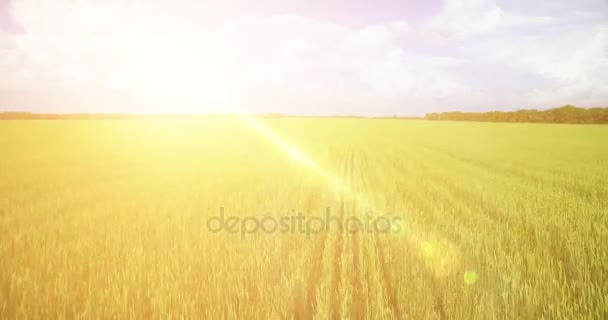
<point>105,219</point>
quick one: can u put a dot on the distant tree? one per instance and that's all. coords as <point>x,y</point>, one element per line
<point>565,114</point>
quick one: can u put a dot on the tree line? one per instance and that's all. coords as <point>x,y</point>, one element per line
<point>565,114</point>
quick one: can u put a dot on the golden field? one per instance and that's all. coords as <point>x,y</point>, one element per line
<point>110,219</point>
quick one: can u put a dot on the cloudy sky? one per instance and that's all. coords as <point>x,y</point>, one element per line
<point>379,57</point>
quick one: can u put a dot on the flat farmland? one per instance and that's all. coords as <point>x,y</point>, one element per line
<point>299,218</point>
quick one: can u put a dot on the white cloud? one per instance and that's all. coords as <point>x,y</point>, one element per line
<point>466,18</point>
<point>303,57</point>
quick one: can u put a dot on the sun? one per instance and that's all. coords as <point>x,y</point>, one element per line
<point>175,72</point>
<point>167,64</point>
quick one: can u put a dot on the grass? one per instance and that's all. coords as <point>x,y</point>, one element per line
<point>108,219</point>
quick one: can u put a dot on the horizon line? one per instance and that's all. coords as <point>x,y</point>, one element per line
<point>270,114</point>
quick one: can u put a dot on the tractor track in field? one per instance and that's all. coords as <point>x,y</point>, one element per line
<point>359,308</point>
<point>305,304</point>
<point>387,278</point>
<point>384,271</point>
<point>359,305</point>
<point>336,271</point>
<point>345,204</point>
<point>438,299</point>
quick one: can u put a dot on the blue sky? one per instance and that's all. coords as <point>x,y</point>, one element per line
<point>302,57</point>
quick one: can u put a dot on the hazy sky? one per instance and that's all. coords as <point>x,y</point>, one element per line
<point>378,57</point>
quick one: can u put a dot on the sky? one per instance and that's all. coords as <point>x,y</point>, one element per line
<point>309,57</point>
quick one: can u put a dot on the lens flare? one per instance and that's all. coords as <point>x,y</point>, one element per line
<point>440,258</point>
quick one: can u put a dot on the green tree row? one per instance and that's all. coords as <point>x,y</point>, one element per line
<point>565,114</point>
